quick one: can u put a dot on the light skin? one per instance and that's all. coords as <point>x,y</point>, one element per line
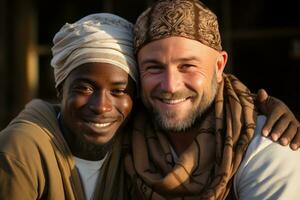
<point>178,75</point>
<point>97,99</point>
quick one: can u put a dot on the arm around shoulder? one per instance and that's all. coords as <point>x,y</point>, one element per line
<point>268,170</point>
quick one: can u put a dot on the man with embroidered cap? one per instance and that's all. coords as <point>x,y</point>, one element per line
<point>199,136</point>
<point>73,150</point>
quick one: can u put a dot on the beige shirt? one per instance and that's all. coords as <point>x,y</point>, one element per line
<point>36,163</point>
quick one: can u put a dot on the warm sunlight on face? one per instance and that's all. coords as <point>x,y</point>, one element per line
<point>97,99</point>
<point>179,80</point>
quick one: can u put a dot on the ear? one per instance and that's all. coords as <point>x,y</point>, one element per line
<point>220,65</point>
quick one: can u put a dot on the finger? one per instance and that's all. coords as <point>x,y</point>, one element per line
<point>296,140</point>
<point>288,134</point>
<point>262,95</point>
<point>280,126</point>
<point>270,123</point>
<point>262,101</point>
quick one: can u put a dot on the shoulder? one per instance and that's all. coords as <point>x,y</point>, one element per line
<point>37,116</point>
<point>21,138</point>
<point>28,133</point>
<point>268,170</point>
<point>263,147</point>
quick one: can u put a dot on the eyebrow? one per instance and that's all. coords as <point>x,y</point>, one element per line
<point>191,58</point>
<point>151,60</point>
<point>116,83</point>
<point>113,82</point>
<point>78,80</point>
<point>184,59</point>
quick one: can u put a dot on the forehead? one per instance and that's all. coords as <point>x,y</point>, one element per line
<point>175,47</point>
<point>98,72</point>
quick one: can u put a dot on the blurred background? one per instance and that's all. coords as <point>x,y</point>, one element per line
<point>262,38</point>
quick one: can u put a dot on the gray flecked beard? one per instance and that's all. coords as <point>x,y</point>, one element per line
<point>164,119</point>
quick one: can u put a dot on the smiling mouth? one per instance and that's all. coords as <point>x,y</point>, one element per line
<point>100,125</point>
<point>174,101</point>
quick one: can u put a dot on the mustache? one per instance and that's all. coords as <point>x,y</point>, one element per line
<point>104,117</point>
<point>99,118</point>
<point>175,95</point>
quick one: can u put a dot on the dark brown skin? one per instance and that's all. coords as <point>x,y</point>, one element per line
<point>96,101</point>
<point>281,124</point>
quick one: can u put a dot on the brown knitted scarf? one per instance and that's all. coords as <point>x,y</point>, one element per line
<point>206,168</point>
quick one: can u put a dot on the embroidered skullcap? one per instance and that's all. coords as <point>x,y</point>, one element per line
<point>102,37</point>
<point>184,18</point>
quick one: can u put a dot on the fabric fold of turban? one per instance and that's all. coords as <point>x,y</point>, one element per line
<point>102,37</point>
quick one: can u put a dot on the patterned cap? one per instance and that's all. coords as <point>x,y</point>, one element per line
<point>184,18</point>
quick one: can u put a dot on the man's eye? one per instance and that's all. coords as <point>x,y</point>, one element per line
<point>186,66</point>
<point>118,91</point>
<point>83,89</point>
<point>154,69</point>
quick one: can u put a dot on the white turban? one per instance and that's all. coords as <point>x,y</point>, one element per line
<point>102,37</point>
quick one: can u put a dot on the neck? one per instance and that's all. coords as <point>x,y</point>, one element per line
<point>180,141</point>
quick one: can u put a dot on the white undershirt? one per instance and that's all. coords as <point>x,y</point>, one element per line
<point>268,170</point>
<point>89,172</point>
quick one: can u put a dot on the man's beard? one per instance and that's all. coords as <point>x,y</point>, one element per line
<point>165,119</point>
<point>94,150</point>
<point>83,149</point>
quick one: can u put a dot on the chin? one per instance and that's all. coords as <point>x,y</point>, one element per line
<point>98,141</point>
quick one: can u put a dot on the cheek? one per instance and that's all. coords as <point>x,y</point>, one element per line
<point>125,105</point>
<point>196,81</point>
<point>72,103</point>
<point>148,83</point>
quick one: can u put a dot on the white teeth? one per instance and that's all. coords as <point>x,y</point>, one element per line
<point>102,125</point>
<point>173,101</point>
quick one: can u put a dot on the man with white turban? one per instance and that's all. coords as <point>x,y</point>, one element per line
<point>73,150</point>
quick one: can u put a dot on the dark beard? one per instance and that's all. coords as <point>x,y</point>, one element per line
<point>82,149</point>
<point>92,151</point>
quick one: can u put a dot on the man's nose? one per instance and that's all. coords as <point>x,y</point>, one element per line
<point>171,80</point>
<point>100,103</point>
